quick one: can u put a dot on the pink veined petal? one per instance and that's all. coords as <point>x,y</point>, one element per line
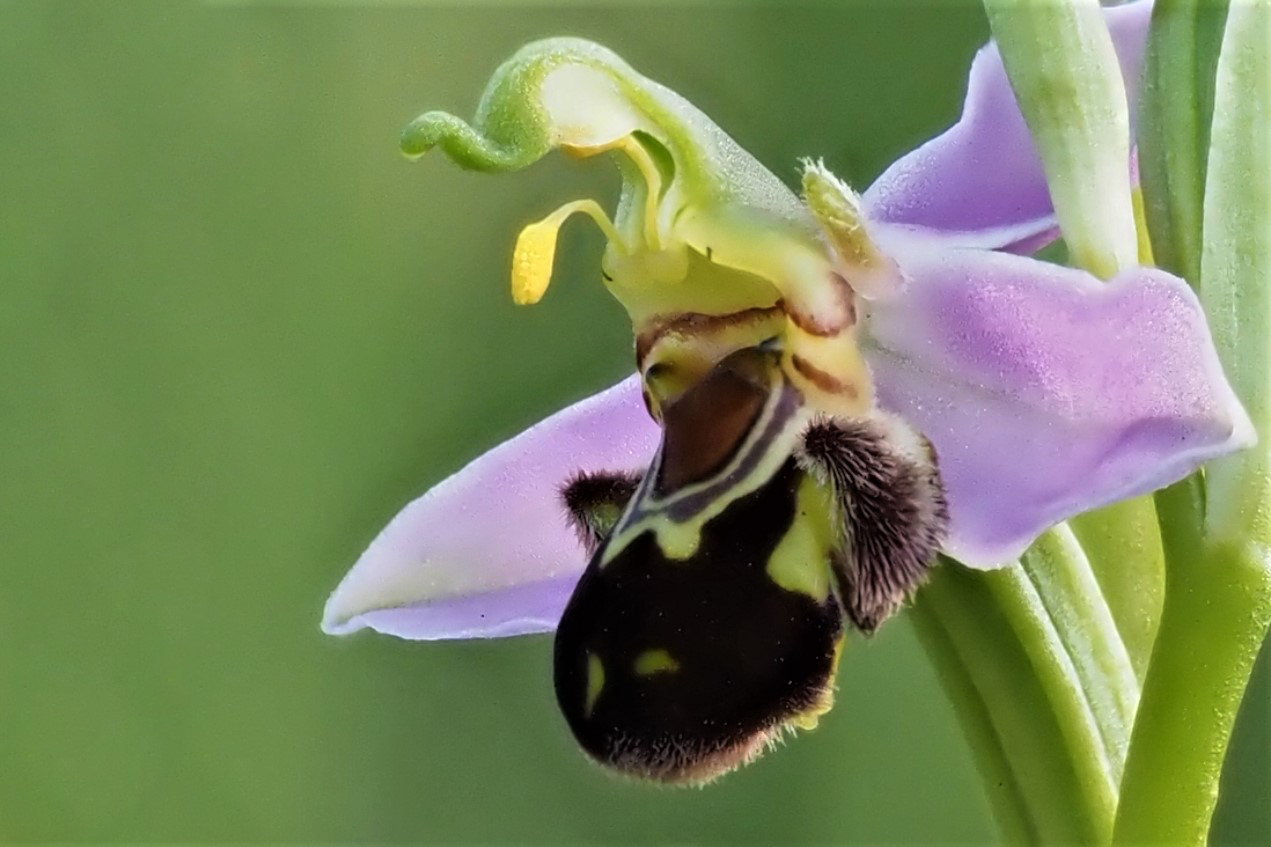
<point>489,552</point>
<point>980,183</point>
<point>1046,392</point>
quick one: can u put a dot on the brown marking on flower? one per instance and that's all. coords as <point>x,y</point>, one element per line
<point>648,402</point>
<point>822,380</point>
<point>828,326</point>
<point>704,428</point>
<point>696,323</point>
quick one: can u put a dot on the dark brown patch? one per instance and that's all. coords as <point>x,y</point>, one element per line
<point>695,323</point>
<point>758,445</point>
<point>704,427</point>
<point>826,382</point>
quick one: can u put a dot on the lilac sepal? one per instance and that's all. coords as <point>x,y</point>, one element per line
<point>488,551</point>
<point>1045,391</point>
<point>981,181</point>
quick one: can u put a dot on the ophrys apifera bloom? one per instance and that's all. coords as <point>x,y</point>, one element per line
<point>830,389</point>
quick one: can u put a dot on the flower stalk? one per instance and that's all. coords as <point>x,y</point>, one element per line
<point>1217,608</point>
<point>1173,127</point>
<point>1217,531</point>
<point>1046,727</point>
<point>1048,614</point>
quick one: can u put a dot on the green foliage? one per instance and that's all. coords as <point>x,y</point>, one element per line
<point>239,331</point>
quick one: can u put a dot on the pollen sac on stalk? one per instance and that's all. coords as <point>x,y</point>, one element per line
<point>711,616</point>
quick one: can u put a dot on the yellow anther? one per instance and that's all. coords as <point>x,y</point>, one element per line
<point>837,209</point>
<point>535,252</point>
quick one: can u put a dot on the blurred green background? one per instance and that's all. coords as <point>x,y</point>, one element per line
<point>238,331</point>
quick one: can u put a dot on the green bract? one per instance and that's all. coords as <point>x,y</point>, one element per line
<point>1064,70</point>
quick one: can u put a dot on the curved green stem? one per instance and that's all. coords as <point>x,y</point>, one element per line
<point>1173,134</point>
<point>1079,617</point>
<point>1217,610</point>
<point>1002,788</point>
<point>1216,530</point>
<point>1011,706</point>
<point>1020,652</point>
<point>1123,543</point>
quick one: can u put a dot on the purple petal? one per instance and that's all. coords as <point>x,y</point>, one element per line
<point>488,552</point>
<point>1045,391</point>
<point>981,183</point>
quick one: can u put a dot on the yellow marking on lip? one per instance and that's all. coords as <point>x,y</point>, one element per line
<point>801,561</point>
<point>808,719</point>
<point>595,682</point>
<point>679,540</point>
<point>655,661</point>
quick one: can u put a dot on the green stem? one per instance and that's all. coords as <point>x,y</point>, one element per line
<point>1173,137</point>
<point>1216,530</point>
<point>1019,652</point>
<point>1001,787</point>
<point>1080,618</point>
<point>1217,611</point>
<point>1123,543</point>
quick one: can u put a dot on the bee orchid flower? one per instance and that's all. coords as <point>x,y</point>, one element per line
<point>830,388</point>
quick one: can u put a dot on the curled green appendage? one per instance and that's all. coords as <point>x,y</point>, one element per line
<point>558,92</point>
<point>513,127</point>
<point>469,147</point>
<point>576,95</point>
<point>692,198</point>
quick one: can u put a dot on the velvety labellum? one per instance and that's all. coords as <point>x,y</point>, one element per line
<point>711,616</point>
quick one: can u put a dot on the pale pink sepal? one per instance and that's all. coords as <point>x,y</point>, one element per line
<point>489,551</point>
